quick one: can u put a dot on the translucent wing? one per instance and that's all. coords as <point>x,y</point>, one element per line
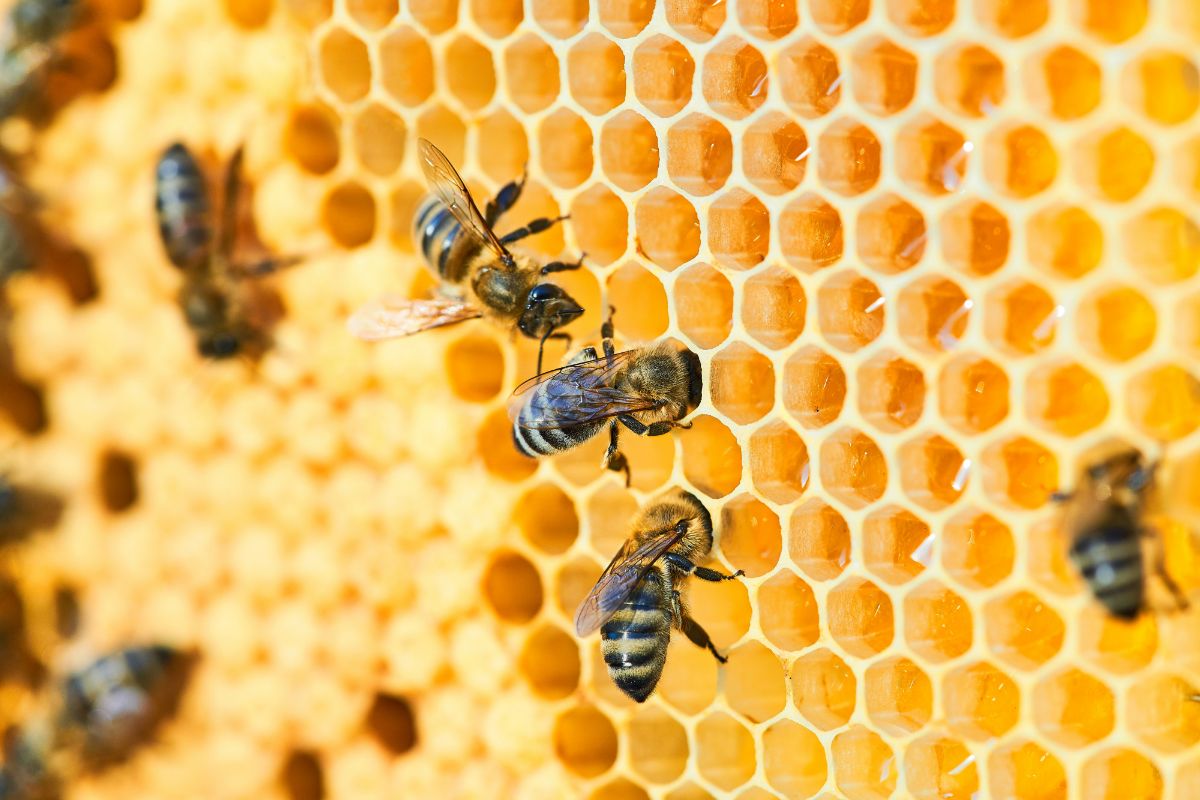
<point>574,395</point>
<point>392,316</point>
<point>448,185</point>
<point>621,577</point>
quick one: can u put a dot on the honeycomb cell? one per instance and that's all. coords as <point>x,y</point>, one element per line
<point>884,76</point>
<point>689,681</point>
<point>937,623</point>
<point>475,367</point>
<point>933,314</point>
<point>899,696</point>
<point>1066,399</point>
<point>739,229</point>
<point>532,73</point>
<point>629,151</point>
<point>1023,630</point>
<point>774,153</point>
<point>1111,21</point>
<point>668,230</point>
<point>779,463</point>
<point>1065,241</point>
<point>546,516</point>
<point>810,81</point>
<point>1049,564</point>
<point>609,511</point>
<point>596,73</point>
<point>561,18</point>
<point>819,540</point>
<point>972,394</point>
<point>853,469</point>
<point>1012,18</point>
<point>512,587</point>
<point>814,387</point>
<point>751,538</point>
<point>969,80</point>
<point>1120,773</point>
<point>625,18</point>
<point>768,19</point>
<point>940,768</point>
<point>823,689</point>
<point>838,16</point>
<point>373,14</point>
<point>712,459</point>
<point>497,18</point>
<point>1064,83</point>
<point>931,156</point>
<point>1021,318</point>
<point>754,682</point>
<point>1161,712</point>
<point>891,391</point>
<point>311,139</point>
<point>348,214</point>
<point>658,746</point>
<point>921,18</point>
<point>975,237</point>
<point>733,78</point>
<point>1019,160</point>
<point>600,222</point>
<point>620,789</point>
<point>407,68</point>
<point>642,302</point>
<point>864,767</point>
<point>848,157</point>
<point>726,752</point>
<point>1164,402</point>
<point>441,125</point>
<point>345,67</point>
<point>773,307</point>
<point>978,550</point>
<point>494,442</point>
<point>379,139</point>
<point>1163,85</point>
<point>981,702</point>
<point>896,544</point>
<point>850,311</point>
<point>1022,769</point>
<point>860,617</point>
<point>1115,165</point>
<point>585,741</point>
<point>699,154</point>
<point>704,306</point>
<point>391,722</point>
<point>117,481</point>
<point>788,611</point>
<point>565,141</point>
<point>303,776</point>
<point>1114,645</point>
<point>794,760</point>
<point>810,233</point>
<point>402,205</point>
<point>742,383</point>
<point>1162,244</point>
<point>1073,708</point>
<point>698,20</point>
<point>890,234</point>
<point>549,662</point>
<point>662,75</point>
<point>435,16</point>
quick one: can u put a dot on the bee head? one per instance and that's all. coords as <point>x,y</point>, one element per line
<point>547,307</point>
<point>695,378</point>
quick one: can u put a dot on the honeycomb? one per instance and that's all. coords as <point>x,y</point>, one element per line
<point>908,239</point>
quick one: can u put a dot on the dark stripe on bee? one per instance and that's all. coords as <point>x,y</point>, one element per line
<point>1110,560</point>
<point>436,231</point>
<point>534,441</point>
<point>181,203</point>
<point>634,640</point>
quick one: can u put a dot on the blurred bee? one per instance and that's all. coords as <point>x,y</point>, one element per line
<point>1105,520</point>
<point>636,602</point>
<point>27,45</point>
<point>212,303</point>
<point>32,767</point>
<point>25,509</point>
<point>648,390</point>
<point>480,276</point>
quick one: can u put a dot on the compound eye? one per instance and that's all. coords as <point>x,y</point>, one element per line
<point>543,292</point>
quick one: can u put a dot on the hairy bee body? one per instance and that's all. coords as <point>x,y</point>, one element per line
<point>14,250</point>
<point>1109,557</point>
<point>182,208</point>
<point>634,640</point>
<point>30,30</point>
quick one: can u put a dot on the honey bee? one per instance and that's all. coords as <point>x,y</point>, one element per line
<point>636,602</point>
<point>480,277</point>
<point>31,769</point>
<point>1105,518</point>
<point>648,390</point>
<point>27,46</point>
<point>25,509</point>
<point>212,305</point>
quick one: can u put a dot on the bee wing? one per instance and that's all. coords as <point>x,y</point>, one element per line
<point>231,193</point>
<point>574,395</point>
<point>620,578</point>
<point>448,185</point>
<point>391,316</point>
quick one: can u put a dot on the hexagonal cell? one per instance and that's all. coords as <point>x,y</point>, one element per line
<point>788,611</point>
<point>668,231</point>
<point>1073,708</point>
<point>309,13</point>
<point>809,79</point>
<point>768,19</point>
<point>689,681</point>
<point>754,682</point>
<point>435,16</point>
<point>345,66</point>
<point>734,78</point>
<point>725,754</point>
<point>1022,769</point>
<point>625,18</point>
<point>704,305</point>
<point>699,154</point>
<point>774,153</point>
<point>977,549</point>
<point>1119,773</point>
<point>1162,244</point>
<point>1161,712</point>
<point>1117,646</point>
<point>549,662</point>
<point>897,545</point>
<point>810,233</point>
<point>751,538</point>
<point>547,518</point>
<point>532,73</point>
<point>687,791</point>
<point>860,617</point>
<point>1021,318</point>
<point>1163,85</point>
<point>609,511</point>
<point>891,391</point>
<point>512,587</point>
<point>937,623</point>
<point>864,767</point>
<point>402,205</point>
<point>469,73</point>
<point>712,459</point>
<point>838,16</point>
<point>975,237</point>
<point>600,222</point>
<point>1019,160</point>
<point>348,215</point>
<point>311,139</point>
<point>850,311</point>
<point>1065,241</point>
<point>933,314</point>
<point>585,741</point>
<point>641,300</point>
<point>658,746</point>
<point>1111,21</point>
<point>1023,630</point>
<point>697,20</point>
<point>497,18</point>
<point>773,307</point>
<point>823,689</point>
<point>596,73</point>
<point>884,76</point>
<point>561,18</point>
<point>619,789</point>
<point>1164,402</point>
<point>1049,560</point>
<point>890,234</point>
<point>566,148</point>
<point>739,229</point>
<point>940,768</point>
<point>921,17</point>
<point>1064,83</point>
<point>406,67</point>
<point>793,759</point>
<point>853,468</point>
<point>972,394</point>
<point>931,156</point>
<point>848,157</point>
<point>969,80</point>
<point>475,367</point>
<point>1012,18</point>
<point>779,463</point>
<point>575,579</point>
<point>981,702</point>
<point>662,75</point>
<point>379,138</point>
<point>1065,398</point>
<point>819,540</point>
<point>742,383</point>
<point>814,387</point>
<point>899,696</point>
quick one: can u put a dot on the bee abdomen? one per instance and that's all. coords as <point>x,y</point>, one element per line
<point>534,441</point>
<point>1110,560</point>
<point>181,203</point>
<point>436,230</point>
<point>634,642</point>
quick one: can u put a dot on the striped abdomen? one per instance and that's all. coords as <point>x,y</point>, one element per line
<point>183,210</point>
<point>634,640</point>
<point>1110,559</point>
<point>535,442</point>
<point>438,232</point>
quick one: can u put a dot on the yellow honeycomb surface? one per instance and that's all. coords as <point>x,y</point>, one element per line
<point>933,255</point>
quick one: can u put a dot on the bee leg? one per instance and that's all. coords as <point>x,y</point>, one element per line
<point>699,637</point>
<point>564,266</point>
<point>542,345</point>
<point>614,459</point>
<point>536,226</point>
<point>685,566</point>
<point>505,199</point>
<point>641,429</point>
